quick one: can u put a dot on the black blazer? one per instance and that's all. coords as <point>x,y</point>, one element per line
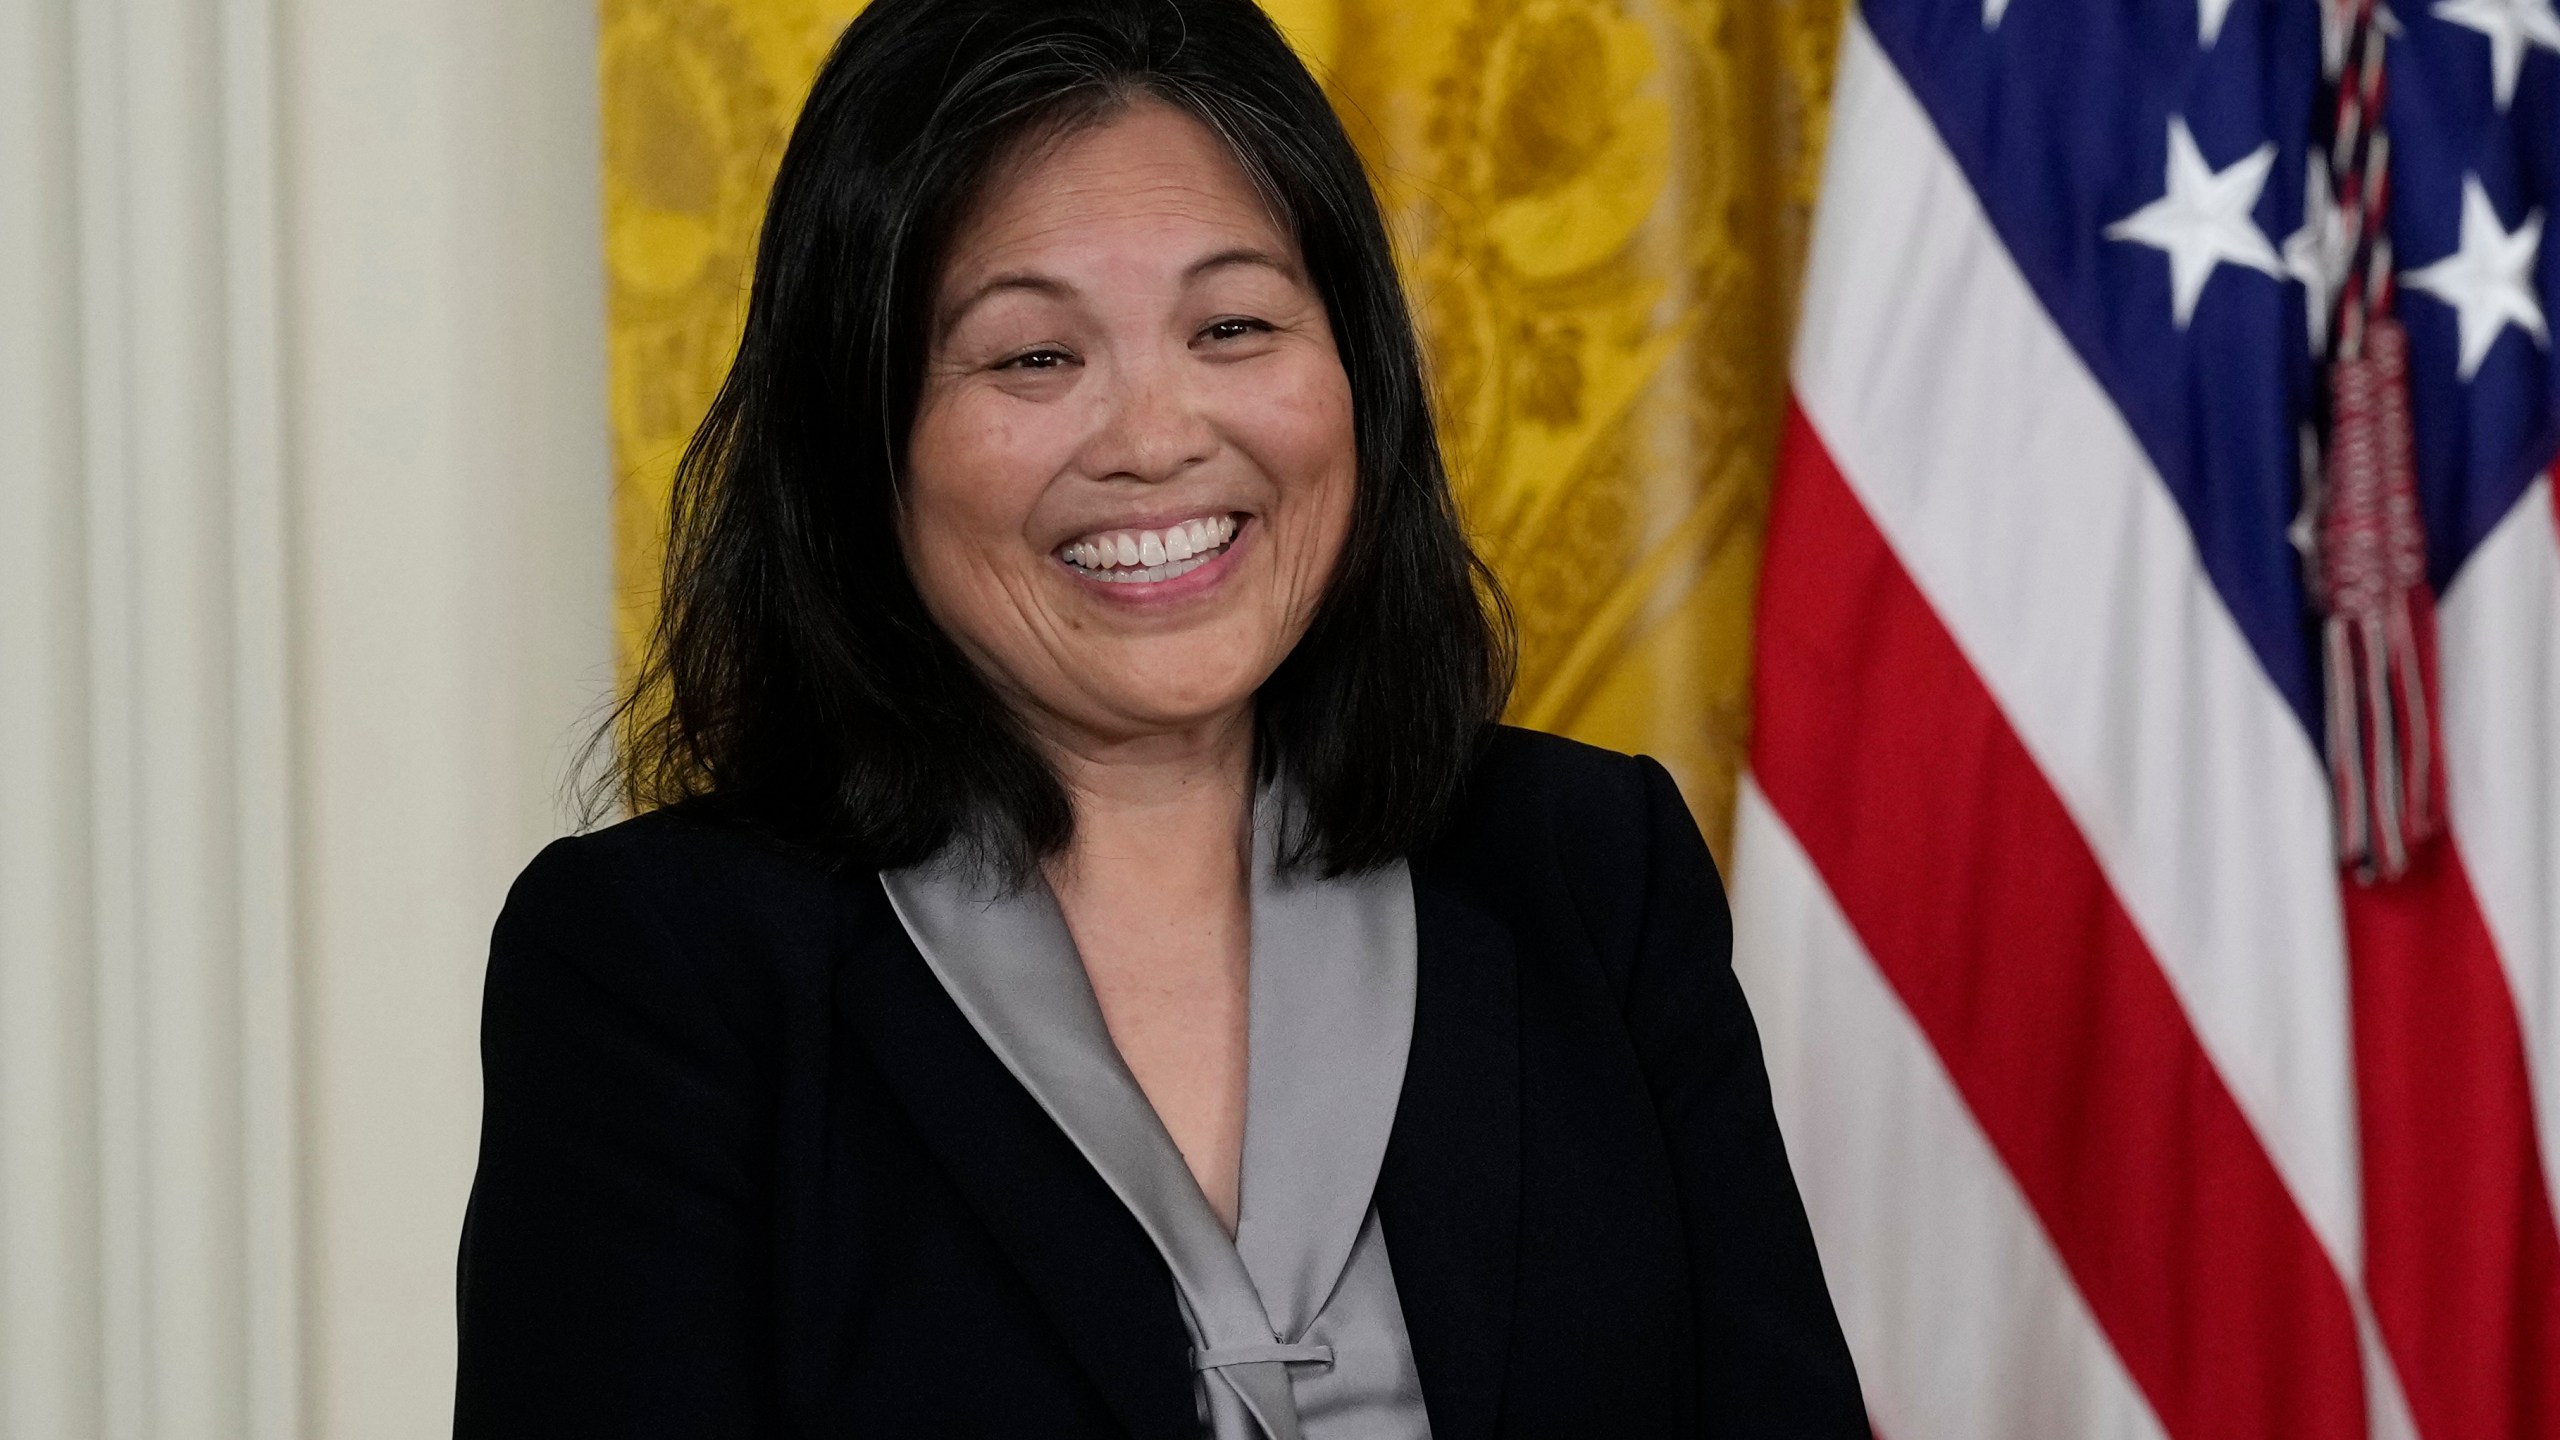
<point>746,1171</point>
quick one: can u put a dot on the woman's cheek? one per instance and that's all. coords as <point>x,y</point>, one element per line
<point>982,476</point>
<point>1315,459</point>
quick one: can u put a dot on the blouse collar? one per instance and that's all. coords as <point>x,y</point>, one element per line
<point>1331,999</point>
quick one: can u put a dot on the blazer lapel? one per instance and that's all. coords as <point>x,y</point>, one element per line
<point>1449,1191</point>
<point>1084,1257</point>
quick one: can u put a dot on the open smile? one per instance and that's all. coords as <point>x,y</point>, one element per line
<point>1150,557</point>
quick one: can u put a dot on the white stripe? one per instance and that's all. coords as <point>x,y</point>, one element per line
<point>2499,645</point>
<point>2029,516</point>
<point>1964,1323</point>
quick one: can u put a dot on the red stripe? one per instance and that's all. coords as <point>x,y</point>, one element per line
<point>2461,1257</point>
<point>1979,900</point>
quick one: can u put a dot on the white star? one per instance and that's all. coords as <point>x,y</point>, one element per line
<point>2489,281</point>
<point>2317,254</point>
<point>2203,221</point>
<point>2512,26</point>
<point>2209,17</point>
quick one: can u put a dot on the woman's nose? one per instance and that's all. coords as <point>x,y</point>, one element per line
<point>1151,426</point>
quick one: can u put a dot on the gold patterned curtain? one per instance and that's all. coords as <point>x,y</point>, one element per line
<point>1600,205</point>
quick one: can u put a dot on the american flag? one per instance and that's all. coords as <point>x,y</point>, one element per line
<point>2153,1062</point>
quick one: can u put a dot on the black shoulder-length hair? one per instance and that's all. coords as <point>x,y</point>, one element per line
<point>794,678</point>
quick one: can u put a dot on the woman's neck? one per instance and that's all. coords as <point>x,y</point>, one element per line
<point>1155,888</point>
<point>1169,811</point>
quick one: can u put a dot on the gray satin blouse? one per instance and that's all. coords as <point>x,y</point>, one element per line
<point>1295,1328</point>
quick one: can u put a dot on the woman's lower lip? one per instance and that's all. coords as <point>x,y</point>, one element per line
<point>1193,582</point>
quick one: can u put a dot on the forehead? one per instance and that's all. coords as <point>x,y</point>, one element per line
<point>1146,175</point>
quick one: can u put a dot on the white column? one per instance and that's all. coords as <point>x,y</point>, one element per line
<point>49,1341</point>
<point>303,594</point>
<point>148,1177</point>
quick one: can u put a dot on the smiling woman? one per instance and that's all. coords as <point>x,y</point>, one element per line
<point>1087,918</point>
<point>1132,464</point>
<point>923,230</point>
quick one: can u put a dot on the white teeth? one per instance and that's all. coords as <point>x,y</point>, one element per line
<point>1148,556</point>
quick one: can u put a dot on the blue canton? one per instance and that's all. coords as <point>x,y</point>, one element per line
<point>2075,120</point>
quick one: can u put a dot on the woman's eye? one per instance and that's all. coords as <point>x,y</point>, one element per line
<point>1233,328</point>
<point>1037,360</point>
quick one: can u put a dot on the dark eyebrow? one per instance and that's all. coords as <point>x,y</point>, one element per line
<point>1241,255</point>
<point>1038,284</point>
<point>1057,289</point>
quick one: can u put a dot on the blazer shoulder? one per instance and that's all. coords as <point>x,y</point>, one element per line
<point>1608,824</point>
<point>677,888</point>
<point>682,856</point>
<point>1590,801</point>
<point>1517,764</point>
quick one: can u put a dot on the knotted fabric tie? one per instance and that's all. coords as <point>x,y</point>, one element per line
<point>1255,1375</point>
<point>1274,1353</point>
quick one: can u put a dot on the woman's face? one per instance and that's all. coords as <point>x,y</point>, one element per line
<point>1132,463</point>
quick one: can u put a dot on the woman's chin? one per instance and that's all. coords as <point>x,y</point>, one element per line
<point>1138,711</point>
